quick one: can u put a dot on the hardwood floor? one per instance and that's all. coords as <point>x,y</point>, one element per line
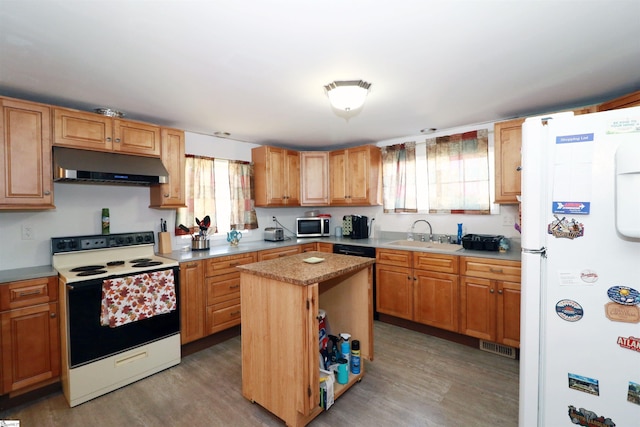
<point>414,380</point>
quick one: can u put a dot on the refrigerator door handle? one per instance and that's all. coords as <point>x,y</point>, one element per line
<point>542,251</point>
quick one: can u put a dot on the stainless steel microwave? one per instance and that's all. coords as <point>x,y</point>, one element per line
<point>312,227</point>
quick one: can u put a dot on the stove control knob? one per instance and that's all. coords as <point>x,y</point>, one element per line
<point>129,239</point>
<point>147,238</point>
<point>139,239</point>
<point>120,240</point>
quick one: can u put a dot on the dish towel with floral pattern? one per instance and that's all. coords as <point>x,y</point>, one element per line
<point>132,298</point>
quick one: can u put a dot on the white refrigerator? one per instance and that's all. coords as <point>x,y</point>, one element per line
<point>580,324</point>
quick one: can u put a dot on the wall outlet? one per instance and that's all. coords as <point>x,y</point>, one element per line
<point>27,232</point>
<point>508,220</point>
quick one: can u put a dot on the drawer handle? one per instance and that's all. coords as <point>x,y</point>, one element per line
<point>495,270</point>
<point>234,286</point>
<point>27,293</point>
<point>233,264</point>
<point>491,290</point>
<point>500,291</point>
<point>234,313</point>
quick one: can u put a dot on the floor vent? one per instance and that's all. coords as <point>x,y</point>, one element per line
<point>499,349</point>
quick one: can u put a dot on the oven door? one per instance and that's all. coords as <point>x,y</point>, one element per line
<point>90,341</point>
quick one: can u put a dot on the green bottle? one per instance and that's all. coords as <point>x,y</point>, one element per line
<point>105,220</point>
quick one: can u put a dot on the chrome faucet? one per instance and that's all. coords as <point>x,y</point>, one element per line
<point>413,226</point>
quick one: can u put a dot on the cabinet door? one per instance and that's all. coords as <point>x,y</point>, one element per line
<point>292,178</point>
<point>314,178</point>
<point>192,301</point>
<point>394,291</point>
<point>338,186</point>
<point>325,247</point>
<point>136,138</point>
<point>25,156</point>
<point>436,297</point>
<point>508,145</point>
<point>477,308</point>
<point>171,195</point>
<point>30,346</point>
<point>508,314</point>
<point>82,130</point>
<point>358,175</point>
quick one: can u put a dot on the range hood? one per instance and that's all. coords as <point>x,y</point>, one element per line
<point>72,165</point>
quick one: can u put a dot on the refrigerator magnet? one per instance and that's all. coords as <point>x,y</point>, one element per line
<point>633,395</point>
<point>623,295</point>
<point>622,313</point>
<point>584,384</point>
<point>589,276</point>
<point>584,417</point>
<point>563,228</point>
<point>569,310</point>
<point>632,343</point>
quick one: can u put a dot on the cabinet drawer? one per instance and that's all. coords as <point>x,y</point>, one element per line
<point>223,288</point>
<point>435,262</point>
<point>490,268</point>
<point>277,253</point>
<point>393,257</point>
<point>228,264</point>
<point>28,292</point>
<point>223,315</point>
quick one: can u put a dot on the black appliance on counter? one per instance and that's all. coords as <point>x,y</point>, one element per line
<point>481,242</point>
<point>363,251</point>
<point>355,226</point>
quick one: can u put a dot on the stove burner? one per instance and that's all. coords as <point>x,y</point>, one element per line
<point>140,260</point>
<point>114,263</point>
<point>148,263</point>
<point>87,268</point>
<point>91,272</point>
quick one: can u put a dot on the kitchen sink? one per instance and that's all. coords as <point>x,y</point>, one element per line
<point>447,247</point>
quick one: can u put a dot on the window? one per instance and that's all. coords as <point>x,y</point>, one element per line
<point>449,174</point>
<point>221,189</point>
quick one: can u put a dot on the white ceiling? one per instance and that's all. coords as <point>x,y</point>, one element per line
<point>257,69</point>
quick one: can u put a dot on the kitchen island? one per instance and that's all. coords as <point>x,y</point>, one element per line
<point>280,299</point>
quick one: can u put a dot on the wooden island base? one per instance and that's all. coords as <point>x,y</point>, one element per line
<point>280,300</point>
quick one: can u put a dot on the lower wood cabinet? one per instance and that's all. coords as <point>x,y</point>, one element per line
<point>222,281</point>
<point>490,300</point>
<point>418,286</point>
<point>324,247</point>
<point>192,301</point>
<point>29,333</point>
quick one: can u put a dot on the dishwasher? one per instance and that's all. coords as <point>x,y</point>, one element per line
<point>363,251</point>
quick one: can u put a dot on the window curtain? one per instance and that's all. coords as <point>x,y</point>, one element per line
<point>243,214</point>
<point>399,178</point>
<point>200,194</point>
<point>458,168</point>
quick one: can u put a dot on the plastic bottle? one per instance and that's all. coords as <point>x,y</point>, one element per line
<point>105,221</point>
<point>460,233</point>
<point>355,357</point>
<point>345,347</point>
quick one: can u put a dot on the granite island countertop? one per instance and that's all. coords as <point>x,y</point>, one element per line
<point>295,270</point>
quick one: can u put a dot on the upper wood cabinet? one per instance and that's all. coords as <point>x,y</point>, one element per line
<point>626,101</point>
<point>91,131</point>
<point>356,176</point>
<point>508,144</point>
<point>314,179</point>
<point>25,156</point>
<point>171,195</point>
<point>277,176</point>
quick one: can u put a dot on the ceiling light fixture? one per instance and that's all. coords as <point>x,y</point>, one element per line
<point>348,95</point>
